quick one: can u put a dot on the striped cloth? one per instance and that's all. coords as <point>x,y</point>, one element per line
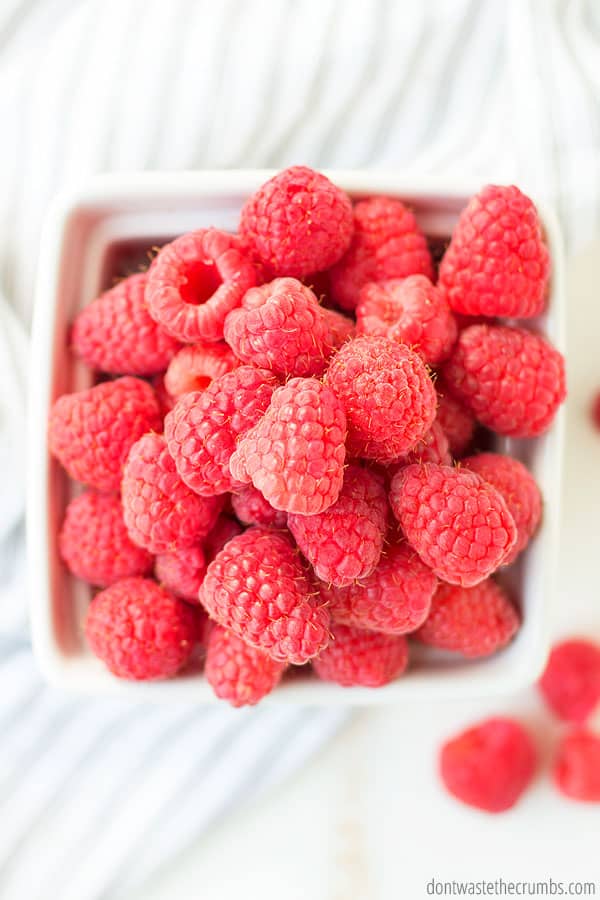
<point>505,90</point>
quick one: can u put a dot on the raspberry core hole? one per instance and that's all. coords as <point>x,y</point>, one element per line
<point>199,282</point>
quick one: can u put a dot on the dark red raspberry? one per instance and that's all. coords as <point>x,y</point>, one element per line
<point>182,571</point>
<point>577,766</point>
<point>238,673</point>
<point>196,366</point>
<point>356,657</point>
<point>457,422</point>
<point>251,508</point>
<point>571,681</point>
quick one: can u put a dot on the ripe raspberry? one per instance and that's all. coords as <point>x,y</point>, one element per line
<point>195,281</point>
<point>341,328</point>
<point>596,410</point>
<point>475,621</point>
<point>432,448</point>
<point>387,393</point>
<point>238,673</point>
<point>490,765</point>
<point>345,542</point>
<point>459,525</point>
<point>497,263</point>
<point>196,366</point>
<point>256,587</point>
<point>160,512</point>
<point>387,243</point>
<point>456,420</point>
<point>203,428</point>
<point>295,454</point>
<point>297,223</point>
<point>222,532</point>
<point>511,380</point>
<point>140,630</point>
<point>520,492</point>
<point>117,334</point>
<point>94,543</point>
<point>251,508</point>
<point>571,681</point>
<point>577,766</point>
<point>394,599</point>
<point>91,432</point>
<point>356,657</point>
<point>182,571</point>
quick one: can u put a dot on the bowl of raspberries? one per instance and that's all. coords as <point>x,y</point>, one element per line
<point>295,435</point>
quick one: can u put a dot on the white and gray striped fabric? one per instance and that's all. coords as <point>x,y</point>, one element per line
<point>508,91</point>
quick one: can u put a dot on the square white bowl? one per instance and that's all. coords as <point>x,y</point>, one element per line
<point>86,229</point>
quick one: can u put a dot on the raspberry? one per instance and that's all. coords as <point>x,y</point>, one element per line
<point>256,587</point>
<point>281,327</point>
<point>596,410</point>
<point>251,508</point>
<point>356,657</point>
<point>571,681</point>
<point>341,328</point>
<point>432,448</point>
<point>91,432</point>
<point>577,766</point>
<point>490,765</point>
<point>394,599</point>
<point>411,311</point>
<point>203,428</point>
<point>297,223</point>
<point>165,401</point>
<point>520,492</point>
<point>511,380</point>
<point>222,532</point>
<point>182,571</point>
<point>497,263</point>
<point>345,542</point>
<point>387,243</point>
<point>139,630</point>
<point>195,281</point>
<point>475,621</point>
<point>238,673</point>
<point>94,543</point>
<point>387,393</point>
<point>117,334</point>
<point>195,367</point>
<point>457,422</point>
<point>161,513</point>
<point>295,454</point>
<point>459,525</point>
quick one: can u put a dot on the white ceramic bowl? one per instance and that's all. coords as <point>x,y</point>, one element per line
<point>86,230</point>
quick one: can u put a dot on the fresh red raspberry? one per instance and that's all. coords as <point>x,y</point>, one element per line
<point>387,393</point>
<point>459,525</point>
<point>517,486</point>
<point>475,621</point>
<point>196,366</point>
<point>251,508</point>
<point>345,542</point>
<point>295,454</point>
<point>224,529</point>
<point>596,410</point>
<point>140,630</point>
<point>490,765</point>
<point>182,571</point>
<point>456,420</point>
<point>513,381</point>
<point>297,223</point>
<point>432,448</point>
<point>411,311</point>
<point>394,599</point>
<point>161,513</point>
<point>341,328</point>
<point>280,326</point>
<point>577,766</point>
<point>94,543</point>
<point>387,243</point>
<point>571,682</point>
<point>357,657</point>
<point>257,588</point>
<point>91,432</point>
<point>238,673</point>
<point>195,281</point>
<point>117,334</point>
<point>203,428</point>
<point>497,263</point>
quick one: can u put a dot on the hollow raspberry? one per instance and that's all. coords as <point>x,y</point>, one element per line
<point>251,508</point>
<point>194,367</point>
<point>577,766</point>
<point>238,673</point>
<point>571,681</point>
<point>181,571</point>
<point>356,657</point>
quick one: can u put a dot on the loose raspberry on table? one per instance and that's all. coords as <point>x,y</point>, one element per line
<point>238,673</point>
<point>194,367</point>
<point>140,630</point>
<point>457,422</point>
<point>195,281</point>
<point>490,765</point>
<point>257,588</point>
<point>117,334</point>
<point>204,427</point>
<point>571,681</point>
<point>387,243</point>
<point>182,571</point>
<point>459,524</point>
<point>161,513</point>
<point>596,410</point>
<point>94,542</point>
<point>91,432</point>
<point>295,454</point>
<point>222,531</point>
<point>497,263</point>
<point>251,508</point>
<point>298,223</point>
<point>357,657</point>
<point>513,381</point>
<point>577,766</point>
<point>341,329</point>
